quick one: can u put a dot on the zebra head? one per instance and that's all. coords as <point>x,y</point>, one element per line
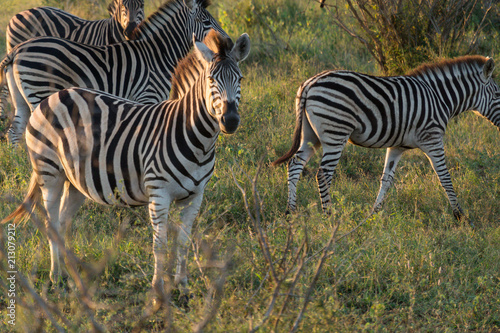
<point>203,21</point>
<point>489,106</point>
<point>128,13</point>
<point>220,58</point>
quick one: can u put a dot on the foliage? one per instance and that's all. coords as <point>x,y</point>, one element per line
<point>402,34</point>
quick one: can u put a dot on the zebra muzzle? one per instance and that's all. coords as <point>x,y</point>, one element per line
<point>230,118</point>
<point>130,29</point>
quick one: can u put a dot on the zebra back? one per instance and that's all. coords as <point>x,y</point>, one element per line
<point>139,70</point>
<point>49,21</point>
<point>132,148</point>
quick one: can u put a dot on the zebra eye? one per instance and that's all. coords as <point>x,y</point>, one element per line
<point>211,79</point>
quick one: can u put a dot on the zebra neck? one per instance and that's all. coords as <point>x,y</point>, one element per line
<point>199,126</point>
<point>456,94</point>
<point>166,38</point>
<point>115,32</point>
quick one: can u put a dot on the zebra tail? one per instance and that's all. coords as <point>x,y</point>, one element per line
<point>27,208</point>
<point>297,133</point>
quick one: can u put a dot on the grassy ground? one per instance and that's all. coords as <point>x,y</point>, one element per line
<point>409,268</point>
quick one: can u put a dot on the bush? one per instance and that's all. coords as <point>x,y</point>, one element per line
<point>402,34</point>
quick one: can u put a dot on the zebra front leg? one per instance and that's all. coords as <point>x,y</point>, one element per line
<point>159,205</point>
<point>392,158</point>
<point>438,161</point>
<point>188,215</point>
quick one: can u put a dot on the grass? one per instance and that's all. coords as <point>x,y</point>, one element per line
<point>411,267</point>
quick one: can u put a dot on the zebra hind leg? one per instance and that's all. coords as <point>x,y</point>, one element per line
<point>71,201</point>
<point>295,168</point>
<point>4,94</point>
<point>22,113</point>
<point>51,192</point>
<point>331,156</point>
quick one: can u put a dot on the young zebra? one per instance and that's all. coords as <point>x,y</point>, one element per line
<point>86,143</point>
<point>139,69</point>
<point>398,113</point>
<point>126,15</point>
<point>49,21</point>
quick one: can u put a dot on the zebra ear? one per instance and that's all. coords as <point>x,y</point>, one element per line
<point>488,68</point>
<point>241,48</point>
<point>203,53</point>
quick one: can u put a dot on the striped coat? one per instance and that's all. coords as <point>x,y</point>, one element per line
<point>89,144</point>
<point>139,70</point>
<point>126,15</point>
<point>397,113</point>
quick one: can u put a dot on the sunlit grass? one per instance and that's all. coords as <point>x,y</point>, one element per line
<point>411,267</point>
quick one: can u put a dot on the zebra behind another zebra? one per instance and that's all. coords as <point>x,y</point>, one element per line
<point>397,113</point>
<point>139,69</point>
<point>126,15</point>
<point>86,143</point>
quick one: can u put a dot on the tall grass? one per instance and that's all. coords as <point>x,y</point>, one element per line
<point>409,268</point>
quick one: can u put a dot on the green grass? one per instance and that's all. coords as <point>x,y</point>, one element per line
<point>411,267</point>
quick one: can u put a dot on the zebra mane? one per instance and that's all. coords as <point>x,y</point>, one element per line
<point>112,7</point>
<point>448,63</point>
<point>150,25</point>
<point>188,69</point>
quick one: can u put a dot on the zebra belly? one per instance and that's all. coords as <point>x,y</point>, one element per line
<point>107,188</point>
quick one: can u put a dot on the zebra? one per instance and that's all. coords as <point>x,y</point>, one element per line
<point>138,69</point>
<point>85,143</point>
<point>398,113</point>
<point>126,15</point>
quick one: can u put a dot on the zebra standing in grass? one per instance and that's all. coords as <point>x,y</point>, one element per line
<point>398,113</point>
<point>139,69</point>
<point>126,15</point>
<point>86,143</point>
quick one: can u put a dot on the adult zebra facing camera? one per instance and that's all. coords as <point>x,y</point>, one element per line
<point>85,143</point>
<point>139,69</point>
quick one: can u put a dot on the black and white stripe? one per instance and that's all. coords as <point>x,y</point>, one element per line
<point>126,15</point>
<point>139,69</point>
<point>398,113</point>
<point>86,143</point>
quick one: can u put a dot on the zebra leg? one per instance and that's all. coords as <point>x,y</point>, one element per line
<point>296,164</point>
<point>22,113</point>
<point>188,215</point>
<point>438,161</point>
<point>391,161</point>
<point>51,191</point>
<point>71,201</point>
<point>4,94</point>
<point>331,156</point>
<point>159,205</point>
